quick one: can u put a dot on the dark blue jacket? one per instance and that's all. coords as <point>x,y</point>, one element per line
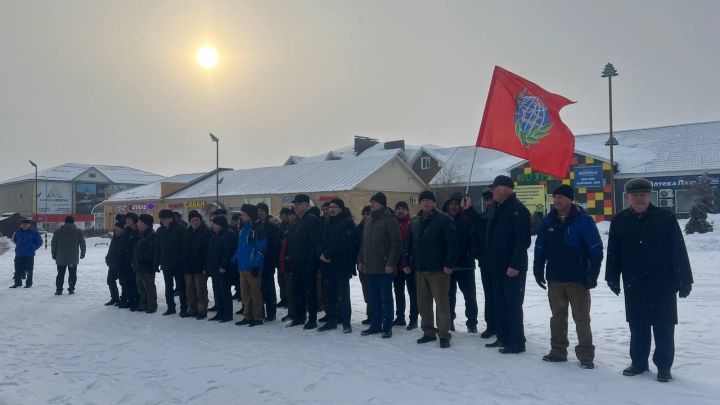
<point>572,249</point>
<point>27,242</point>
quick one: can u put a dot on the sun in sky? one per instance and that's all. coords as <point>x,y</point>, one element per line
<point>207,57</point>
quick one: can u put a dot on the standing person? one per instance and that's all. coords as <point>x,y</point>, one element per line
<point>114,260</point>
<point>271,228</point>
<point>402,279</point>
<point>460,209</point>
<point>359,230</point>
<point>249,257</point>
<point>536,218</point>
<point>144,263</point>
<point>283,268</point>
<point>172,248</point>
<point>568,245</point>
<point>506,244</point>
<point>198,239</point>
<point>282,230</point>
<point>337,262</point>
<point>221,248</point>
<point>68,247</point>
<point>302,244</point>
<point>130,297</point>
<point>480,254</point>
<point>27,240</point>
<point>647,249</point>
<point>380,251</point>
<point>432,251</point>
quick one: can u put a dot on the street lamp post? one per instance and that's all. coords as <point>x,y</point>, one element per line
<point>217,169</point>
<point>35,191</point>
<point>610,72</point>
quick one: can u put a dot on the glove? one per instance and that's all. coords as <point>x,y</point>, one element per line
<point>53,257</point>
<point>685,290</point>
<point>540,279</point>
<point>82,256</point>
<point>255,272</point>
<point>614,287</point>
<point>591,283</point>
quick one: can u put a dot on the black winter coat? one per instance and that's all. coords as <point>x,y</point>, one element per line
<point>130,237</point>
<point>432,243</point>
<point>508,236</point>
<point>221,249</point>
<point>338,245</point>
<point>303,239</point>
<point>649,252</point>
<point>273,234</point>
<point>115,258</point>
<point>197,247</point>
<point>144,252</point>
<point>172,247</point>
<point>465,231</point>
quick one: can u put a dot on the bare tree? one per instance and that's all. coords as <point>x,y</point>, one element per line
<point>445,182</point>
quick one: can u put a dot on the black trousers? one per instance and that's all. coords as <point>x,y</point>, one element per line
<point>112,276</point>
<point>281,283</point>
<point>337,298</point>
<point>24,267</point>
<point>509,295</point>
<point>268,292</point>
<point>305,291</point>
<point>221,284</point>
<point>640,340</point>
<point>399,282</point>
<point>465,279</point>
<point>490,306</point>
<point>130,294</point>
<point>60,279</point>
<point>179,281</point>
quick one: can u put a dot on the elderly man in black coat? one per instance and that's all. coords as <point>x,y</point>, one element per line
<point>647,249</point>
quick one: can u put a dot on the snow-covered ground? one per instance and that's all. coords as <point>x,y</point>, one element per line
<point>73,350</point>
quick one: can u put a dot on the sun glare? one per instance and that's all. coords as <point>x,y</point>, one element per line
<point>207,57</point>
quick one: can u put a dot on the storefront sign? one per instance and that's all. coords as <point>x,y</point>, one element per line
<point>54,198</point>
<point>197,204</point>
<point>588,176</point>
<point>531,196</point>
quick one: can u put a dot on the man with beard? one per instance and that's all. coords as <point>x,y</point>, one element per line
<point>302,243</point>
<point>402,279</point>
<point>172,245</point>
<point>506,244</point>
<point>337,261</point>
<point>198,239</point>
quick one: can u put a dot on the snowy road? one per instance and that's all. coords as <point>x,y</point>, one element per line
<point>73,350</point>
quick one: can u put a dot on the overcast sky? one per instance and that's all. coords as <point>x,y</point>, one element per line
<point>116,82</point>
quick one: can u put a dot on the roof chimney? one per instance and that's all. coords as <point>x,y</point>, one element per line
<point>395,144</point>
<point>363,143</point>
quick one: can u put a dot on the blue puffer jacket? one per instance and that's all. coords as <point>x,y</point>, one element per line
<point>572,249</point>
<point>27,242</point>
<point>251,248</point>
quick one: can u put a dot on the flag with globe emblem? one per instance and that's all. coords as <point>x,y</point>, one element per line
<point>522,119</point>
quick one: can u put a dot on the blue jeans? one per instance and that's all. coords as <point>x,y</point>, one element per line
<point>380,288</point>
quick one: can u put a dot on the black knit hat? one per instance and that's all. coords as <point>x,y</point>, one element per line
<point>146,219</point>
<point>379,198</point>
<point>164,214</point>
<point>565,190</point>
<point>639,185</point>
<point>487,193</point>
<point>456,196</point>
<point>264,207</point>
<point>250,210</point>
<point>194,214</point>
<point>339,202</point>
<point>427,195</point>
<point>69,219</point>
<point>503,181</point>
<point>132,216</point>
<point>120,218</point>
<point>402,204</point>
<point>301,198</point>
<point>220,220</point>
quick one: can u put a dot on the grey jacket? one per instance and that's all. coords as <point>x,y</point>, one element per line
<point>68,244</point>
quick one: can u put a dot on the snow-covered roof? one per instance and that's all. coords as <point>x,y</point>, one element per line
<point>153,191</point>
<point>70,171</point>
<point>331,175</point>
<point>409,154</point>
<point>676,148</point>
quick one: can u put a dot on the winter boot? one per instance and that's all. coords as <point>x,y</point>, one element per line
<point>487,333</point>
<point>496,343</point>
<point>328,326</point>
<point>634,370</point>
<point>426,339</point>
<point>310,325</point>
<point>386,334</point>
<point>587,364</point>
<point>399,322</point>
<point>169,311</point>
<point>370,331</point>
<point>444,343</point>
<point>412,325</point>
<point>347,329</point>
<point>554,358</point>
<point>664,376</point>
<point>243,322</point>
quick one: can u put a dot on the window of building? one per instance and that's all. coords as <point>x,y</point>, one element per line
<point>683,201</point>
<point>424,163</point>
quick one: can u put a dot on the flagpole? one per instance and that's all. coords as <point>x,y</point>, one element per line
<point>472,167</point>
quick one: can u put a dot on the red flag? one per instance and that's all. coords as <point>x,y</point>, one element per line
<point>523,119</point>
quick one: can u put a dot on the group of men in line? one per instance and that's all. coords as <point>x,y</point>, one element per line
<point>430,255</point>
